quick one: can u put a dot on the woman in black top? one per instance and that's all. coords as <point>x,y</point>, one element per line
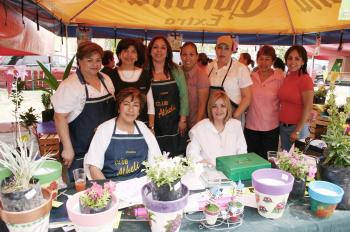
<point>127,74</point>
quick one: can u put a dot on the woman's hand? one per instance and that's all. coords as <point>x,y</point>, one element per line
<point>182,127</point>
<point>294,136</point>
<point>67,156</point>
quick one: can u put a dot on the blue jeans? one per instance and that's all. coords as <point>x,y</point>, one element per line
<point>285,133</point>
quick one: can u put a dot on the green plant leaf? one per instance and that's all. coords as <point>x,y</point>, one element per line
<point>68,68</point>
<point>49,79</point>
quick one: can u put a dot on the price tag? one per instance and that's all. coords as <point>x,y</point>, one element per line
<point>177,186</point>
<point>29,195</point>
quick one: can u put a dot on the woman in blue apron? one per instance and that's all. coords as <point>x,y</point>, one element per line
<point>170,97</point>
<point>82,102</point>
<point>121,144</point>
<point>230,76</point>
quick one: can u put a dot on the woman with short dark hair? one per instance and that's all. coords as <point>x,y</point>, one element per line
<point>262,124</point>
<point>128,74</point>
<point>121,144</point>
<point>82,102</point>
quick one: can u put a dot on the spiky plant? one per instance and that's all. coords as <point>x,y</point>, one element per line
<point>22,161</point>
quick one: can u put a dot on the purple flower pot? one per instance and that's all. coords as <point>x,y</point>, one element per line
<point>272,188</point>
<point>164,215</point>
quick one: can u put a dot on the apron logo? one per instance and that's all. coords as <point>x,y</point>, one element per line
<point>166,110</point>
<point>128,169</point>
<point>162,103</point>
<point>130,152</point>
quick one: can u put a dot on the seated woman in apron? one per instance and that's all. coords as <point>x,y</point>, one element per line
<point>230,76</point>
<point>218,135</point>
<point>82,102</point>
<point>121,144</point>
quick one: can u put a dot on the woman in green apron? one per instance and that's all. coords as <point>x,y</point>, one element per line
<point>170,97</point>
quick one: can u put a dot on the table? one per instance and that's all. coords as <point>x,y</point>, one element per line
<point>297,217</point>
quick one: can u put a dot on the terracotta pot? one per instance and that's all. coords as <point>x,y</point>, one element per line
<point>36,220</point>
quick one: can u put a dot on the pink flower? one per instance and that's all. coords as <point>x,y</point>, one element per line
<point>96,190</point>
<point>312,171</point>
<point>109,186</point>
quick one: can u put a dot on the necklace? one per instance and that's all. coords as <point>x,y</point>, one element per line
<point>124,72</point>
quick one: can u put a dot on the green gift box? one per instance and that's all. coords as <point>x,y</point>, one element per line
<point>241,167</point>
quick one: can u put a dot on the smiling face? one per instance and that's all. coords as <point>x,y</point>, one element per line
<point>294,61</point>
<point>189,57</point>
<point>91,64</point>
<point>219,110</point>
<point>159,51</point>
<point>129,109</point>
<point>128,56</point>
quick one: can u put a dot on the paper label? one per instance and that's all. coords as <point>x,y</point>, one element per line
<point>56,204</point>
<point>29,195</point>
<point>177,186</point>
<point>284,177</point>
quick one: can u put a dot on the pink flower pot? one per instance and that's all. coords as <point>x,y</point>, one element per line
<point>101,222</point>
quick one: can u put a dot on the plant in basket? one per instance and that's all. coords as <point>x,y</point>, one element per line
<point>335,167</point>
<point>297,164</point>
<point>97,199</point>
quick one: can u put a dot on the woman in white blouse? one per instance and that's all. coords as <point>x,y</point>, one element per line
<point>218,135</point>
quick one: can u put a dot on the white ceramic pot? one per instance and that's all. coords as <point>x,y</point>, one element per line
<point>211,217</point>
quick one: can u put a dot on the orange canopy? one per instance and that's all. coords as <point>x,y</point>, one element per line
<point>236,16</point>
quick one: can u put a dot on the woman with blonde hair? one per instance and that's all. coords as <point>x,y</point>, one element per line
<point>218,135</point>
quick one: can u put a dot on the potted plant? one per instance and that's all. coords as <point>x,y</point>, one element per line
<point>94,209</point>
<point>211,212</point>
<point>48,113</point>
<point>51,81</point>
<point>320,95</point>
<point>165,175</point>
<point>165,196</point>
<point>296,164</point>
<point>97,199</point>
<point>24,205</point>
<point>28,118</point>
<point>335,167</point>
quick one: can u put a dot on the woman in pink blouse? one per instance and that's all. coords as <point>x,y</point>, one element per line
<point>262,123</point>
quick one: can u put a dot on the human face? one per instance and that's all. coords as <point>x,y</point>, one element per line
<point>219,110</point>
<point>159,51</point>
<point>264,63</point>
<point>91,64</point>
<point>294,61</point>
<point>128,56</point>
<point>223,53</point>
<point>129,109</point>
<point>188,57</point>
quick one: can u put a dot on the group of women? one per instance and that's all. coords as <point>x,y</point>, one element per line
<point>110,124</point>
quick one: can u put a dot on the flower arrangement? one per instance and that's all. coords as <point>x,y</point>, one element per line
<point>97,197</point>
<point>296,164</point>
<point>338,142</point>
<point>165,171</point>
<point>321,91</point>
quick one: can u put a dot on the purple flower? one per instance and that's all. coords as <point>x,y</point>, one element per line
<point>312,171</point>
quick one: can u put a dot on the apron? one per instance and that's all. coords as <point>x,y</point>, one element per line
<point>82,128</point>
<point>167,115</point>
<point>212,89</point>
<point>124,156</point>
